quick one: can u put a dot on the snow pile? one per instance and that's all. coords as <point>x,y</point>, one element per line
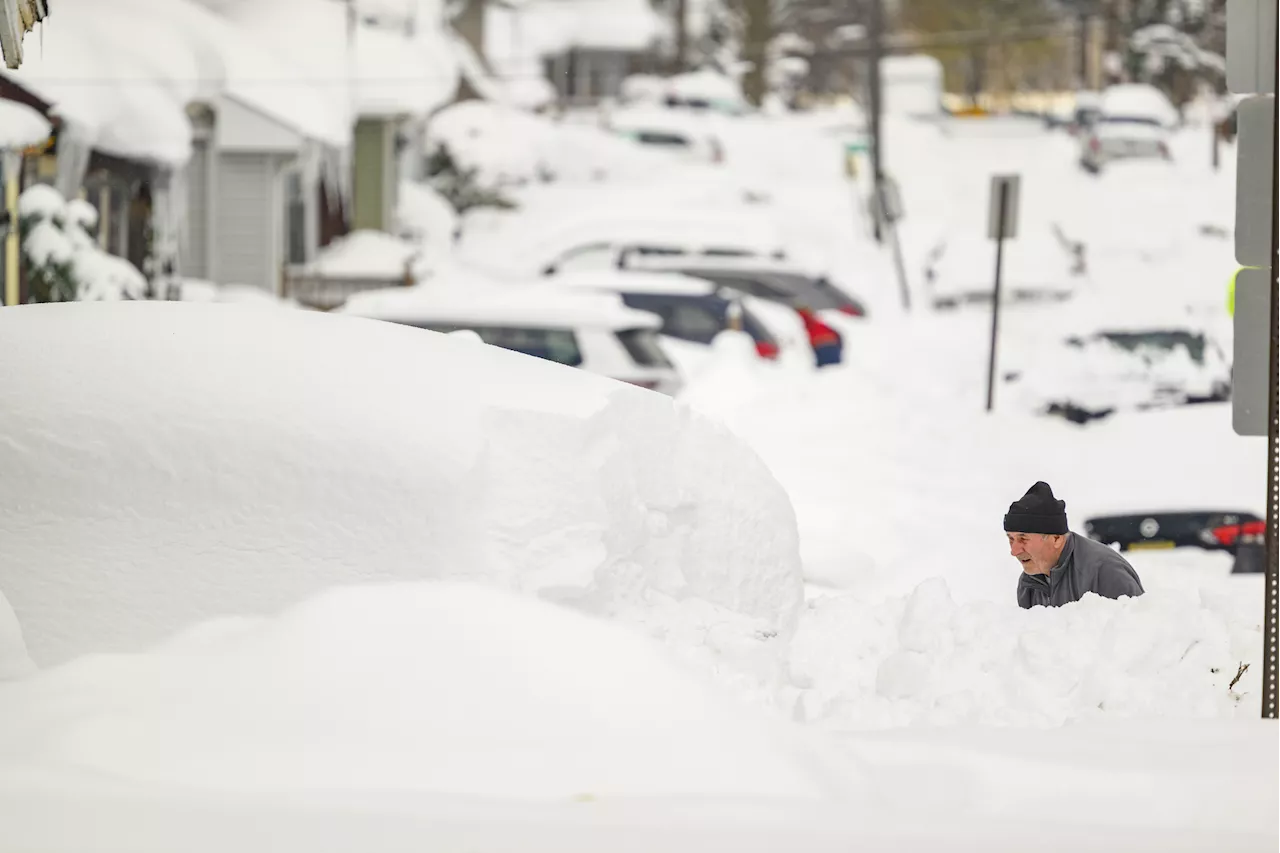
<point>413,688</point>
<point>366,255</point>
<point>21,126</point>
<point>924,660</point>
<point>281,452</point>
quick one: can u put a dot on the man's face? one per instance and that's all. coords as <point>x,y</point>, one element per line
<point>1036,552</point>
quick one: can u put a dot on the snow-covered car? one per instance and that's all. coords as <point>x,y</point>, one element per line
<point>1209,529</point>
<point>1136,365</point>
<point>692,309</point>
<point>1134,122</point>
<point>1041,265</point>
<point>595,238</point>
<point>593,332</point>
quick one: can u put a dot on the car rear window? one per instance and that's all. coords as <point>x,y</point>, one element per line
<point>689,318</point>
<point>558,345</point>
<point>643,347</point>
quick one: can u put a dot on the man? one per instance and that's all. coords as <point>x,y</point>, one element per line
<point>1059,566</point>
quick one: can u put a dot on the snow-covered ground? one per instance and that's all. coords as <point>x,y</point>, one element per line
<point>925,686</point>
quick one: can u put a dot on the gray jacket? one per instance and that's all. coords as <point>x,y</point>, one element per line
<point>1085,566</point>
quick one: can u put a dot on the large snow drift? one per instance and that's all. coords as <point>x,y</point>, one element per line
<point>168,463</point>
<point>414,688</point>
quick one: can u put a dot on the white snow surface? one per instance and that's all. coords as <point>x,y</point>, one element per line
<point>281,452</point>
<point>21,126</point>
<point>440,688</point>
<point>367,254</point>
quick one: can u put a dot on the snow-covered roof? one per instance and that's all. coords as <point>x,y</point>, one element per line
<point>382,71</point>
<point>448,303</point>
<point>21,126</point>
<point>131,103</point>
<point>549,27</point>
<point>248,68</point>
<point>634,282</point>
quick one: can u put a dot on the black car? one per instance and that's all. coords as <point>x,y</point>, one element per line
<point>1212,530</point>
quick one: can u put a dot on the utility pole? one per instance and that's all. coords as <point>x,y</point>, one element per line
<point>682,35</point>
<point>874,100</point>
<point>1083,23</point>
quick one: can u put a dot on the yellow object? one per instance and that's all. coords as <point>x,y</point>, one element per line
<point>1231,290</point>
<point>12,248</point>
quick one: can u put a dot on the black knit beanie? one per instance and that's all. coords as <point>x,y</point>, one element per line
<point>1038,511</point>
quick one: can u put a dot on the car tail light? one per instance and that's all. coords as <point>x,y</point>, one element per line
<point>1229,534</point>
<point>1164,151</point>
<point>1094,145</point>
<point>851,310</point>
<point>767,349</point>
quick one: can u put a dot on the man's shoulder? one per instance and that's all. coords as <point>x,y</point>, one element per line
<point>1093,551</point>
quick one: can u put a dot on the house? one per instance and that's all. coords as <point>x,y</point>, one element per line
<point>116,146</point>
<point>585,48</point>
<point>398,70</point>
<point>17,18</point>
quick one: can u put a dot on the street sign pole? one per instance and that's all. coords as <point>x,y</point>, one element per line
<point>1001,226</point>
<point>1270,646</point>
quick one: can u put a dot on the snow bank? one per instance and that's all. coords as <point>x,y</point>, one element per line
<point>412,688</point>
<point>924,660</point>
<point>282,452</point>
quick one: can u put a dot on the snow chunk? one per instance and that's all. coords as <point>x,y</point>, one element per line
<point>281,452</point>
<point>413,688</point>
<point>21,126</point>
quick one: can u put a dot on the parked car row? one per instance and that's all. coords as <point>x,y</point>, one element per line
<point>602,291</point>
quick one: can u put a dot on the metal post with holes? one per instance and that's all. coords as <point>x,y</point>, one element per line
<point>1271,611</point>
<point>1002,224</point>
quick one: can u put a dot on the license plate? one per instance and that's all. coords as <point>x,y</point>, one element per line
<point>1151,545</point>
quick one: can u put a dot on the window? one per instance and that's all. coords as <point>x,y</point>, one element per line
<point>558,345</point>
<point>643,347</point>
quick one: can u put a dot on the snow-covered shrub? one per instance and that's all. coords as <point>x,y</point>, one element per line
<point>461,185</point>
<point>61,257</point>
